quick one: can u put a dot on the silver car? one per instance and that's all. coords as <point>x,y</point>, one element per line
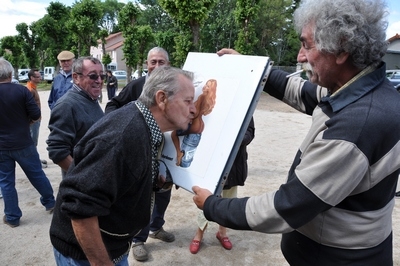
<point>394,76</point>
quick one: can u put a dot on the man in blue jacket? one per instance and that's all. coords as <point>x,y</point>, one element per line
<point>63,81</point>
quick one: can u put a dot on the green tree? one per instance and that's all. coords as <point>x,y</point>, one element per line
<point>84,25</point>
<point>145,40</point>
<point>12,51</point>
<point>109,21</point>
<point>220,29</point>
<point>127,18</point>
<point>29,44</point>
<point>273,29</point>
<point>164,28</point>
<point>106,60</point>
<point>189,16</point>
<point>245,15</point>
<point>53,33</point>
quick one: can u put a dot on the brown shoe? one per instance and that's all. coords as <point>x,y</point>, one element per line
<point>162,235</point>
<point>12,225</point>
<point>139,251</point>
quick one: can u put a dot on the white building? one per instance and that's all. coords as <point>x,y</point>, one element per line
<point>114,44</point>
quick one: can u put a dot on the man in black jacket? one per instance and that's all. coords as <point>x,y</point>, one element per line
<point>105,199</point>
<point>156,57</point>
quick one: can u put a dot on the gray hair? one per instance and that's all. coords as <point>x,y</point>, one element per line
<point>77,66</point>
<point>158,50</point>
<point>6,69</point>
<point>163,78</point>
<point>357,27</point>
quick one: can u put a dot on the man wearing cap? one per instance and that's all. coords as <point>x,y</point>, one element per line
<point>63,81</point>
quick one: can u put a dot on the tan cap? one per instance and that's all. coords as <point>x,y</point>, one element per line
<point>65,55</point>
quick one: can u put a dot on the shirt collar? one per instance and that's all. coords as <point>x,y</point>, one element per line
<point>356,88</point>
<point>32,85</point>
<point>156,134</point>
<point>157,140</point>
<point>76,87</point>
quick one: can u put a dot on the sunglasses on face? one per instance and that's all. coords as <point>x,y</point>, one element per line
<point>93,76</point>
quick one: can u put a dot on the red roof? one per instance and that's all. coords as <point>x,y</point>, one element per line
<point>114,46</point>
<point>395,37</point>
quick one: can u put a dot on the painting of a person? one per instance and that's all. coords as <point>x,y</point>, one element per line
<point>204,105</point>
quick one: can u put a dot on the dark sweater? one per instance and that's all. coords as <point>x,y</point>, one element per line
<point>17,110</point>
<point>70,119</point>
<point>110,178</point>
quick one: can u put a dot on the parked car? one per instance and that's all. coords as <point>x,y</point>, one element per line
<point>119,74</point>
<point>23,74</point>
<point>49,74</point>
<point>394,76</point>
<point>135,75</point>
<point>397,87</point>
<point>14,81</point>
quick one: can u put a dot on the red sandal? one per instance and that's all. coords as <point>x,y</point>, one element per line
<point>224,241</point>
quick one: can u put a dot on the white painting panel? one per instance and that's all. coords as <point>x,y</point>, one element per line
<point>227,86</point>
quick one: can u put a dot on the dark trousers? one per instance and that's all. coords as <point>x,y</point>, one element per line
<point>157,217</point>
<point>110,92</point>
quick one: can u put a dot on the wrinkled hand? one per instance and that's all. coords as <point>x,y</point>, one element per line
<point>200,196</point>
<point>227,51</point>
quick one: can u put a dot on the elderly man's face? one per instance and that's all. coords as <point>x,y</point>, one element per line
<point>91,78</point>
<point>179,109</point>
<point>156,59</point>
<point>66,65</point>
<point>319,66</point>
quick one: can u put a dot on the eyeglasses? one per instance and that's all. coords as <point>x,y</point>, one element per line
<point>93,76</point>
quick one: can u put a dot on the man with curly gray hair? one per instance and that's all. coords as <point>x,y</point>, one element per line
<point>336,206</point>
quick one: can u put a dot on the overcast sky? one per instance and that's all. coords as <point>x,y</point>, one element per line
<point>13,12</point>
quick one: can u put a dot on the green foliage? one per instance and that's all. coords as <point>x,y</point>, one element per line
<point>182,45</point>
<point>84,25</point>
<point>30,41</point>
<point>110,11</point>
<point>188,14</point>
<point>245,16</point>
<point>11,46</point>
<point>53,33</point>
<point>145,38</point>
<point>106,60</point>
<point>128,24</point>
<point>257,27</point>
<point>220,29</point>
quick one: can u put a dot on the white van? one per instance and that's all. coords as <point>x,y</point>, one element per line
<point>49,73</point>
<point>23,74</point>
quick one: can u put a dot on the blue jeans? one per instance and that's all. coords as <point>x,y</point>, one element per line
<point>61,260</point>
<point>35,132</point>
<point>157,217</point>
<point>28,159</point>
